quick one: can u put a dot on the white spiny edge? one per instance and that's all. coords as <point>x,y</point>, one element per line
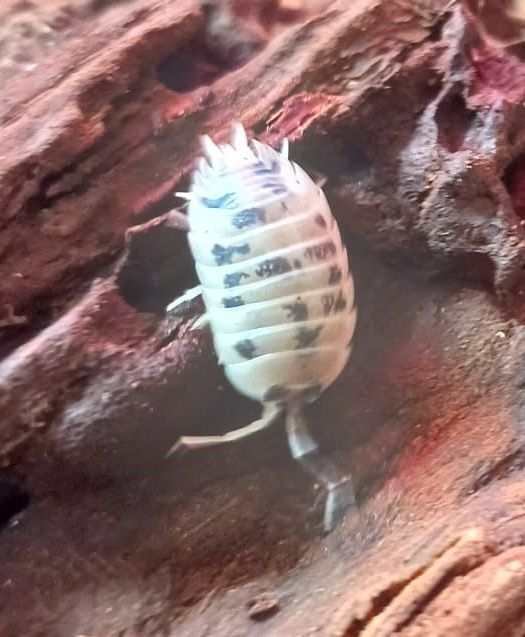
<point>230,154</point>
<point>264,152</point>
<point>239,137</point>
<point>204,167</point>
<point>211,151</point>
<point>240,150</point>
<point>285,148</point>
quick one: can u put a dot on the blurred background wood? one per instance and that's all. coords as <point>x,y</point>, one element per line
<point>416,118</point>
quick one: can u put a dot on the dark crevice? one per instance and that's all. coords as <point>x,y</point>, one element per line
<point>78,177</point>
<point>460,570</point>
<point>156,268</point>
<point>223,45</point>
<point>382,601</point>
<point>453,119</point>
<point>188,69</point>
<point>515,130</point>
<point>378,604</point>
<point>165,204</point>
<point>14,498</point>
<point>339,156</point>
<point>436,31</point>
<point>499,471</point>
<point>44,310</point>
<point>474,269</point>
<point>98,5</point>
<point>232,34</point>
<point>514,181</point>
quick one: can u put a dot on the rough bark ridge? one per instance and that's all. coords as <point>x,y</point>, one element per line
<point>418,123</point>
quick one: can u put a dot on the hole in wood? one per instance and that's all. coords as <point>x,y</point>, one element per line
<point>188,69</point>
<point>13,499</point>
<point>514,180</point>
<point>230,37</point>
<point>453,120</point>
<point>336,156</point>
<point>156,269</point>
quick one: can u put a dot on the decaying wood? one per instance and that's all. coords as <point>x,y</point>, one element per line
<point>418,124</point>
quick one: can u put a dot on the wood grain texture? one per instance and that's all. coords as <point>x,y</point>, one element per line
<point>418,125</point>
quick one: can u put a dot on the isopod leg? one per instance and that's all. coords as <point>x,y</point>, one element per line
<point>340,491</point>
<point>179,220</point>
<point>199,322</point>
<point>188,296</point>
<point>269,416</point>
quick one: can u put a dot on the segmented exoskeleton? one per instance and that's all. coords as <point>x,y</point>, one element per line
<point>277,289</point>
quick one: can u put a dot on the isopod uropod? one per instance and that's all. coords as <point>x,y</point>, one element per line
<point>277,288</point>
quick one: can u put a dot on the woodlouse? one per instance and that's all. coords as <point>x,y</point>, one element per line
<point>277,288</point>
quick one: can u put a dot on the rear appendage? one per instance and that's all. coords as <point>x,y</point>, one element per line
<point>340,496</point>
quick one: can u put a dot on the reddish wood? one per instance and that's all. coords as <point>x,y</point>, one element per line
<point>417,122</point>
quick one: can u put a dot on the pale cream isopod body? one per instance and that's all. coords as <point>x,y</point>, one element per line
<point>275,281</point>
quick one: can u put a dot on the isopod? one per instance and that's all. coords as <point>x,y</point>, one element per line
<point>277,288</point>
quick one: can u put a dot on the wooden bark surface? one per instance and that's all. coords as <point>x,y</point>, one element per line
<point>418,123</point>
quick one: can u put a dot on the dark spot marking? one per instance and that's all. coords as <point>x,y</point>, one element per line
<point>297,264</point>
<point>276,187</point>
<point>297,311</point>
<point>248,217</point>
<point>333,303</point>
<point>320,221</point>
<point>234,278</point>
<point>227,201</point>
<point>271,267</point>
<point>232,301</point>
<point>307,336</point>
<point>245,348</point>
<point>276,393</point>
<point>284,206</point>
<point>340,304</point>
<point>262,169</point>
<point>224,255</point>
<point>336,275</point>
<point>321,251</point>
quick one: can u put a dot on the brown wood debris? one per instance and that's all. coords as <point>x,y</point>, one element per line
<point>416,118</point>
